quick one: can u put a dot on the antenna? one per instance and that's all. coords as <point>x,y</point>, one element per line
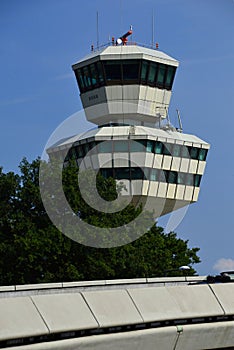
<point>121,16</point>
<point>153,28</point>
<point>180,122</point>
<point>97,30</point>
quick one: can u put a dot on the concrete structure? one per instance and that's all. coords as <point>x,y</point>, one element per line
<point>126,91</point>
<point>166,313</point>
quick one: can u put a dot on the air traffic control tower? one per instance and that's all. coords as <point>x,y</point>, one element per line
<point>125,90</point>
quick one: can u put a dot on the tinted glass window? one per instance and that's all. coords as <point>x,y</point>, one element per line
<point>94,74</point>
<point>100,73</point>
<point>170,76</point>
<point>161,74</point>
<point>107,172</point>
<point>122,173</point>
<point>137,174</point>
<point>121,146</point>
<point>172,177</point>
<point>176,150</point>
<point>168,149</point>
<point>152,73</point>
<point>197,180</point>
<point>150,146</point>
<point>87,77</point>
<point>137,145</point>
<point>131,69</point>
<point>158,147</point>
<point>193,152</point>
<point>105,147</point>
<point>144,70</point>
<point>202,154</point>
<point>112,70</point>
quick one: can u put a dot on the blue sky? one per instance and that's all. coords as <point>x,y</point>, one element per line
<point>41,39</point>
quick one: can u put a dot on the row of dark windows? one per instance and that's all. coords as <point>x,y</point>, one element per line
<point>136,173</point>
<point>123,72</point>
<point>150,146</point>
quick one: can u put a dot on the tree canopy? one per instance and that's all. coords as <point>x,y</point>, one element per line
<point>33,250</point>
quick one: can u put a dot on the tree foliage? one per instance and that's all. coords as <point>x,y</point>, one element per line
<point>33,250</point>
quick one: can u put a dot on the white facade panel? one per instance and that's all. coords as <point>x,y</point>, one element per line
<point>162,189</point>
<point>188,194</point>
<point>145,187</point>
<point>153,188</point>
<point>193,166</point>
<point>137,159</point>
<point>196,194</point>
<point>121,159</point>
<point>126,191</point>
<point>131,92</point>
<point>175,165</point>
<point>136,187</point>
<point>166,165</point>
<point>201,167</point>
<point>149,160</point>
<point>180,192</point>
<point>184,165</point>
<point>105,160</point>
<point>171,190</point>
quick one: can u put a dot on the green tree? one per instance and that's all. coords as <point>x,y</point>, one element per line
<point>33,250</point>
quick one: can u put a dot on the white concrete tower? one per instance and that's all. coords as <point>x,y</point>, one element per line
<point>126,91</point>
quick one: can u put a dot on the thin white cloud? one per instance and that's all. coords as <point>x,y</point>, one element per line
<point>16,101</point>
<point>224,264</point>
<point>64,76</point>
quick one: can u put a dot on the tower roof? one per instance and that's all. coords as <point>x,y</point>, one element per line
<point>127,51</point>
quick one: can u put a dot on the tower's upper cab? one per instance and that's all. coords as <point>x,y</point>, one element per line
<point>126,84</point>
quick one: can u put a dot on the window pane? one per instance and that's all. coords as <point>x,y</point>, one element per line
<point>80,79</point>
<point>131,70</point>
<point>189,180</point>
<point>197,180</point>
<point>94,75</point>
<point>105,147</point>
<point>202,154</point>
<point>121,146</point>
<point>79,151</point>
<point>137,174</point>
<point>181,179</point>
<point>176,151</point>
<point>87,77</point>
<point>106,172</point>
<point>158,147</point>
<point>150,146</point>
<point>170,76</point>
<point>112,70</point>
<point>161,74</point>
<point>122,173</point>
<point>100,73</point>
<point>154,175</point>
<point>185,152</point>
<point>172,177</point>
<point>152,73</point>
<point>137,145</point>
<point>144,69</point>
<point>193,152</point>
<point>86,148</point>
<point>168,149</point>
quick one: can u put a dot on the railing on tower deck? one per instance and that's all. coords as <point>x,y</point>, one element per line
<point>129,43</point>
